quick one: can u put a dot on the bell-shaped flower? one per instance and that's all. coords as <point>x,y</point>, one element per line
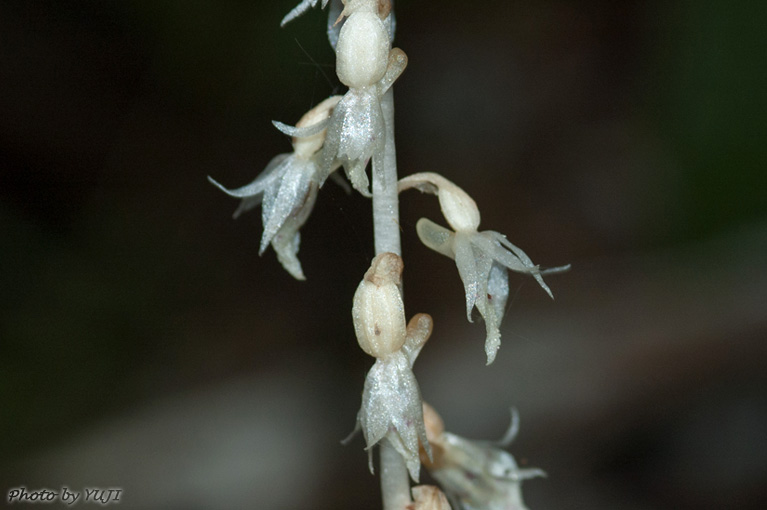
<point>476,475</point>
<point>483,258</point>
<point>287,188</point>
<point>357,130</point>
<point>391,400</point>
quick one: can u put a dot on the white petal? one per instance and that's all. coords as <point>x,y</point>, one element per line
<point>300,9</point>
<point>516,259</point>
<point>395,67</point>
<point>306,146</point>
<point>391,405</point>
<point>435,237</point>
<point>356,131</point>
<point>292,195</point>
<point>418,332</point>
<point>272,171</point>
<point>286,244</point>
<point>300,132</point>
<point>474,268</point>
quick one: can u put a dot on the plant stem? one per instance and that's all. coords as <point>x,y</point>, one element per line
<point>395,486</point>
<point>385,201</point>
<point>395,483</point>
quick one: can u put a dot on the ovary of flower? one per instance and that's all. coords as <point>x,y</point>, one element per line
<point>476,475</point>
<point>287,189</point>
<point>378,310</point>
<point>482,258</point>
<point>362,50</point>
<point>356,131</point>
<point>391,400</point>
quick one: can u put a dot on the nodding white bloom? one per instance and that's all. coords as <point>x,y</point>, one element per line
<point>287,188</point>
<point>483,258</point>
<point>391,400</point>
<point>366,64</point>
<point>476,475</point>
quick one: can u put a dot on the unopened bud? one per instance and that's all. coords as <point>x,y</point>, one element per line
<point>378,311</point>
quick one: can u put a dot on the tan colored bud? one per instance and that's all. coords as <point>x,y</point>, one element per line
<point>378,311</point>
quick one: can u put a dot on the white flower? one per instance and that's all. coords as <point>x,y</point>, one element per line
<point>357,131</point>
<point>476,475</point>
<point>391,400</point>
<point>287,189</point>
<point>483,258</point>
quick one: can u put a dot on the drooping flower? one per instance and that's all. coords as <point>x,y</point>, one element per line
<point>391,400</point>
<point>476,475</point>
<point>287,188</point>
<point>483,258</point>
<point>364,63</point>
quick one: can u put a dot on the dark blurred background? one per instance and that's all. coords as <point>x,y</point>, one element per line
<point>145,345</point>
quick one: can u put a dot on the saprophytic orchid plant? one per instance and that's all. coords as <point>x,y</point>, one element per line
<point>351,131</point>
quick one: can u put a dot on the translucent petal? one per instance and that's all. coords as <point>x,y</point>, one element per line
<point>286,244</point>
<point>479,476</point>
<point>418,332</point>
<point>334,26</point>
<point>355,172</point>
<point>292,194</point>
<point>436,237</point>
<point>356,131</point>
<point>300,9</point>
<point>517,261</point>
<point>272,171</point>
<point>395,67</point>
<point>474,268</point>
<point>391,406</point>
<point>498,289</point>
<point>301,132</point>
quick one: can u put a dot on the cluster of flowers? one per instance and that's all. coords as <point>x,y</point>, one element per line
<point>345,131</point>
<point>349,131</point>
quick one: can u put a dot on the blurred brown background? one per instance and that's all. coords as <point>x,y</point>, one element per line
<point>145,345</point>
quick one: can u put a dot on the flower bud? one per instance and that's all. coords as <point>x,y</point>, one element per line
<point>378,311</point>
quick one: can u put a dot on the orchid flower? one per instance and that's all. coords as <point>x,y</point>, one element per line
<point>476,475</point>
<point>357,132</point>
<point>483,258</point>
<point>287,189</point>
<point>391,400</point>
